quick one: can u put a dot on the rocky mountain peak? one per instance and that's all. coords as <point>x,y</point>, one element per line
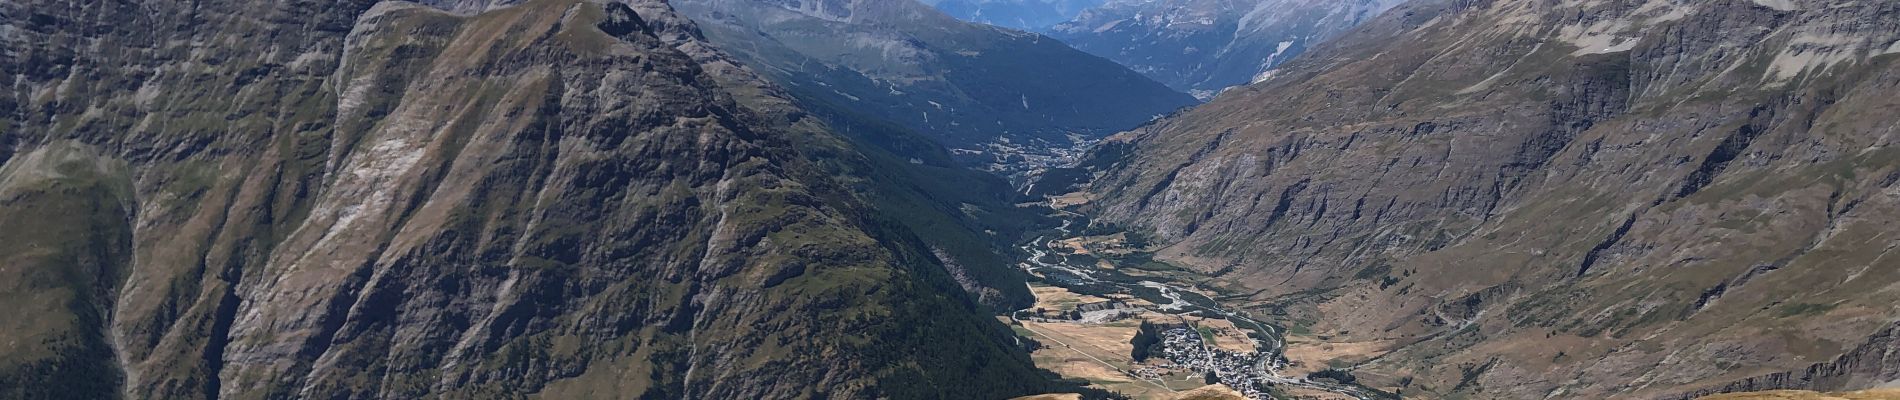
<point>466,7</point>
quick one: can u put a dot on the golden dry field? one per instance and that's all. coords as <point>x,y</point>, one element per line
<point>1875,394</point>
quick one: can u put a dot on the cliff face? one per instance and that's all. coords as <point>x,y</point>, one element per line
<point>1571,199</point>
<point>563,198</point>
<point>1205,46</point>
<point>1873,363</point>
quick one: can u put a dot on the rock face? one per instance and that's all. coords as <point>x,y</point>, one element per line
<point>1025,15</point>
<point>1205,46</point>
<point>1874,363</point>
<point>465,199</point>
<point>902,62</point>
<point>1552,198</point>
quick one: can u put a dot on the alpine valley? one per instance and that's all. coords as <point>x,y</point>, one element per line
<point>903,199</point>
<point>1000,98</point>
<point>1554,199</point>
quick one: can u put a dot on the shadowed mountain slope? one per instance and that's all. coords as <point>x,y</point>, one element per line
<point>965,85</point>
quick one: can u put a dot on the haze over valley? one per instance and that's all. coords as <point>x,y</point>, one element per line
<point>955,199</point>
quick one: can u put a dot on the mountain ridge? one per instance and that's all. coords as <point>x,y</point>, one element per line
<point>1568,199</point>
<point>1023,15</point>
<point>459,199</point>
<point>965,85</point>
<point>1206,46</point>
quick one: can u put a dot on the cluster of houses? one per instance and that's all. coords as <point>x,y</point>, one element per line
<point>1153,372</point>
<point>1243,371</point>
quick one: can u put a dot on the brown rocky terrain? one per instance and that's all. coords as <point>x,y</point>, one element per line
<point>1567,199</point>
<point>451,199</point>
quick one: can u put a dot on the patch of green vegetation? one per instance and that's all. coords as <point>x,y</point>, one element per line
<point>1146,342</point>
<point>968,216</point>
<point>1021,331</point>
<point>1335,375</point>
<point>1374,271</point>
<point>70,249</point>
<point>1144,261</point>
<point>1300,328</point>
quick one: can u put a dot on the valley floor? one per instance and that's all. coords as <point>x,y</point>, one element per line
<point>1095,293</point>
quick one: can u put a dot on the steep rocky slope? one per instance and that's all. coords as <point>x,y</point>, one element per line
<point>1873,363</point>
<point>968,219</point>
<point>469,199</point>
<point>965,85</point>
<point>1205,46</point>
<point>1554,199</point>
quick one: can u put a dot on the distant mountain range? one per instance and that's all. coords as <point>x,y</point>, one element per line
<point>991,93</point>
<point>1026,15</point>
<point>1205,46</point>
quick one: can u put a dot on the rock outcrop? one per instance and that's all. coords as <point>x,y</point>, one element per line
<point>1874,363</point>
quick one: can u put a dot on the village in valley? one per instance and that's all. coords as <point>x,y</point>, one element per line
<point>1108,314</point>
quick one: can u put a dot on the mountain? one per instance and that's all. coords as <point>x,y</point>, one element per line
<point>1205,46</point>
<point>1555,199</point>
<point>461,199</point>
<point>1024,15</point>
<point>978,89</point>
